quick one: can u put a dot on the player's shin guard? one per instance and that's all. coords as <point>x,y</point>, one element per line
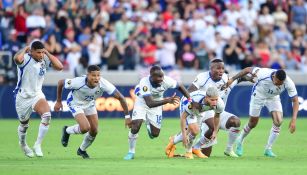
<point>87,141</point>
<point>274,133</point>
<point>22,132</point>
<point>43,127</point>
<point>201,142</point>
<point>132,141</point>
<point>75,129</point>
<point>191,138</point>
<point>233,134</point>
<point>246,130</point>
<point>178,138</point>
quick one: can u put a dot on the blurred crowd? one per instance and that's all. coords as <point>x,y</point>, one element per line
<point>177,34</point>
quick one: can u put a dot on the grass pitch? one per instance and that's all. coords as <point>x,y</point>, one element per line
<point>110,147</point>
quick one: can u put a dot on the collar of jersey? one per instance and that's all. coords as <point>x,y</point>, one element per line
<point>212,78</point>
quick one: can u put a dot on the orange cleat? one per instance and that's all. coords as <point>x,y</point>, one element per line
<point>170,148</point>
<point>189,155</point>
<point>199,154</point>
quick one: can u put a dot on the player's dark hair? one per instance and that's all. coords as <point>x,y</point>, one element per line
<point>93,68</point>
<point>154,68</point>
<point>216,61</point>
<point>281,75</point>
<point>37,45</point>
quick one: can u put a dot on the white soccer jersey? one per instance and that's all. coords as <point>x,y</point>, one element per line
<point>145,88</point>
<point>264,87</point>
<point>83,96</point>
<point>203,81</point>
<point>198,96</point>
<point>31,76</point>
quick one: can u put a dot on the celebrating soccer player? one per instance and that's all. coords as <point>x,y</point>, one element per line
<point>32,63</point>
<point>81,102</point>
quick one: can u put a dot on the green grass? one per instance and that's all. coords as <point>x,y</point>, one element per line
<point>110,146</point>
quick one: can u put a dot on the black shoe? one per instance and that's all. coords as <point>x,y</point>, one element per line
<point>65,137</point>
<point>83,154</point>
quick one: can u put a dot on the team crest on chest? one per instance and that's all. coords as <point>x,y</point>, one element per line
<point>190,106</point>
<point>69,82</point>
<point>145,88</point>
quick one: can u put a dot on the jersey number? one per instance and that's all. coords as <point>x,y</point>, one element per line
<point>89,98</point>
<point>41,71</point>
<point>270,91</point>
<point>159,119</point>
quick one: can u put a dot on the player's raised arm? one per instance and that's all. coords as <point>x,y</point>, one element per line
<point>58,105</point>
<point>184,91</point>
<point>18,57</point>
<point>292,124</point>
<point>124,105</point>
<point>56,64</point>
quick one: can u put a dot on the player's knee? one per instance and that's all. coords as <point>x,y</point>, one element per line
<point>135,129</point>
<point>93,132</point>
<point>234,122</point>
<point>46,118</point>
<point>84,129</point>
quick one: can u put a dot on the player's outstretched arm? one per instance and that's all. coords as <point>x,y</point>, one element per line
<point>184,91</point>
<point>238,75</point>
<point>56,63</point>
<point>124,105</point>
<point>58,105</point>
<point>151,103</point>
<point>18,57</point>
<point>292,124</point>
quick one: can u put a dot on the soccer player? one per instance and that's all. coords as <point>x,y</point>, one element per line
<point>148,105</point>
<point>229,122</point>
<point>270,84</point>
<point>191,118</point>
<point>32,63</point>
<point>81,102</point>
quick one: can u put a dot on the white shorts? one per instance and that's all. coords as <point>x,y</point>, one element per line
<point>151,115</point>
<point>256,104</point>
<point>25,106</point>
<point>224,116</point>
<point>75,110</point>
<point>204,116</point>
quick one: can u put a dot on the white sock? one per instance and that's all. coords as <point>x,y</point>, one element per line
<point>75,129</point>
<point>22,133</point>
<point>201,141</point>
<point>87,141</point>
<point>42,131</point>
<point>132,141</point>
<point>246,130</point>
<point>191,138</point>
<point>274,133</point>
<point>178,138</point>
<point>233,133</point>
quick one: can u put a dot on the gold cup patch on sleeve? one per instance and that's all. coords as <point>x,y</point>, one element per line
<point>145,88</point>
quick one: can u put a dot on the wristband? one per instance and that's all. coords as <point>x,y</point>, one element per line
<point>127,116</point>
<point>190,99</point>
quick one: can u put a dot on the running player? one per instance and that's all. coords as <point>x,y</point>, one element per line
<point>32,63</point>
<point>270,84</point>
<point>81,102</point>
<point>148,105</point>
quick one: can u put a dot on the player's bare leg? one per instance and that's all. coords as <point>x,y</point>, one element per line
<point>233,126</point>
<point>43,109</point>
<point>274,133</point>
<point>252,123</point>
<point>22,133</point>
<point>89,136</point>
<point>132,137</point>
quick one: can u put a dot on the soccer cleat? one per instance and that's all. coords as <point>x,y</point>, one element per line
<point>38,150</point>
<point>27,150</point>
<point>269,153</point>
<point>65,137</point>
<point>230,153</point>
<point>239,150</point>
<point>170,148</point>
<point>129,156</point>
<point>198,153</point>
<point>189,155</point>
<point>83,154</point>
